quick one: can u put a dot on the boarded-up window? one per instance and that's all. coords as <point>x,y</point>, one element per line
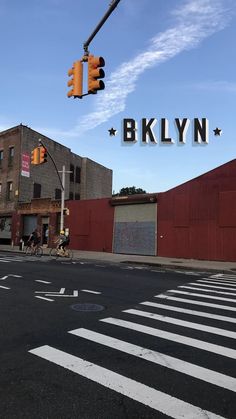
<point>9,190</point>
<point>11,156</point>
<point>77,174</point>
<point>37,190</point>
<point>72,170</point>
<point>57,193</point>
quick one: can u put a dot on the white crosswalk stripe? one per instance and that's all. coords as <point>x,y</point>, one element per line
<point>195,302</point>
<point>183,323</point>
<point>215,286</point>
<point>151,397</point>
<point>210,281</point>
<point>224,276</point>
<point>184,340</point>
<point>192,312</point>
<point>170,362</point>
<point>24,258</point>
<point>134,320</point>
<point>10,259</point>
<point>204,290</point>
<point>208,296</point>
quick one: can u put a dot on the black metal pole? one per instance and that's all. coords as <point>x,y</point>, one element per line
<point>41,143</point>
<point>101,23</point>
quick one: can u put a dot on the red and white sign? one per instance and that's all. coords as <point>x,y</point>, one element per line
<point>25,164</point>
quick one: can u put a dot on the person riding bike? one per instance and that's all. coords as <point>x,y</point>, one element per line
<point>34,238</point>
<point>64,240</point>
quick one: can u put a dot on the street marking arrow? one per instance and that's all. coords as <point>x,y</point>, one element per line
<point>44,282</point>
<point>5,277</point>
<point>43,298</point>
<point>61,293</point>
<point>92,292</point>
<point>62,290</point>
<point>75,294</point>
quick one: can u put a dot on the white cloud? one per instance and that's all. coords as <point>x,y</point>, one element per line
<point>216,86</point>
<point>195,20</point>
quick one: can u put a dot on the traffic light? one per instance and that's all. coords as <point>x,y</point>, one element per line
<point>76,81</point>
<point>42,154</point>
<point>66,211</point>
<point>95,73</point>
<point>34,156</point>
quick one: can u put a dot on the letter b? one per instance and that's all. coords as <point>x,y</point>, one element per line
<point>129,130</point>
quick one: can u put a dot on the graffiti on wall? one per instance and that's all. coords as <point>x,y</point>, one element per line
<point>5,227</point>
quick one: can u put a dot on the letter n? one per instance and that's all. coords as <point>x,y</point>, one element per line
<point>201,130</point>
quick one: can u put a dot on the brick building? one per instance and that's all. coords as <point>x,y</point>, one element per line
<point>30,194</point>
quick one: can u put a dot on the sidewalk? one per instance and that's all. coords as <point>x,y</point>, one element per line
<point>171,263</point>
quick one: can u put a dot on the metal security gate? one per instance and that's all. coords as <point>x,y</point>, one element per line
<point>135,229</point>
<point>5,230</point>
<point>29,224</point>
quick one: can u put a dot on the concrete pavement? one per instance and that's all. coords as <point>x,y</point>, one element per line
<point>172,263</point>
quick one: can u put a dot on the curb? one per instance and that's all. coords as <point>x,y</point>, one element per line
<point>143,263</point>
<point>179,267</point>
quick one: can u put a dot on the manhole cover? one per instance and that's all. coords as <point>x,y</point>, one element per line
<point>87,307</point>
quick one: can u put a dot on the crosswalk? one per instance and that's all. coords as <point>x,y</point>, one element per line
<point>23,258</point>
<point>173,328</point>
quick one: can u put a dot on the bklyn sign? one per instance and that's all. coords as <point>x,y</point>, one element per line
<point>146,133</point>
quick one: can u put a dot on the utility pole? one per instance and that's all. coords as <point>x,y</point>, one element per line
<point>62,198</point>
<point>62,183</point>
<point>63,172</point>
<point>52,159</point>
<point>112,6</point>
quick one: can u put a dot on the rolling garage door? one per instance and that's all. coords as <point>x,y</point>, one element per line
<point>135,229</point>
<point>29,224</point>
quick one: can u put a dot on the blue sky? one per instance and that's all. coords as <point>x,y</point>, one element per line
<point>164,59</point>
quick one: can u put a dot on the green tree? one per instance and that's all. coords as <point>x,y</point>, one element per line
<point>130,190</point>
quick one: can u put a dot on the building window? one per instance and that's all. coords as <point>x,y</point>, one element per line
<point>1,157</point>
<point>77,196</point>
<point>71,196</point>
<point>9,191</point>
<point>11,156</point>
<point>57,193</point>
<point>77,174</point>
<point>0,189</point>
<point>37,190</point>
<point>72,169</point>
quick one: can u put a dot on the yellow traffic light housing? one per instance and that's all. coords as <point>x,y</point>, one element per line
<point>76,82</point>
<point>95,73</point>
<point>42,154</point>
<point>34,156</point>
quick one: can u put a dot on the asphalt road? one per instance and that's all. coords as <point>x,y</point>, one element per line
<point>77,342</point>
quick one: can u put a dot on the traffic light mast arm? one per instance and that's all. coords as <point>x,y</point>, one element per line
<point>41,143</point>
<point>113,5</point>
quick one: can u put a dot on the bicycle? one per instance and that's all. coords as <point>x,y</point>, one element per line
<point>36,250</point>
<point>57,253</point>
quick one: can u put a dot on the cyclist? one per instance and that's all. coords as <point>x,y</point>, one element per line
<point>64,240</point>
<point>34,238</point>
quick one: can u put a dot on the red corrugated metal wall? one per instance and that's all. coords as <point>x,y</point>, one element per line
<point>198,219</point>
<point>91,224</point>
